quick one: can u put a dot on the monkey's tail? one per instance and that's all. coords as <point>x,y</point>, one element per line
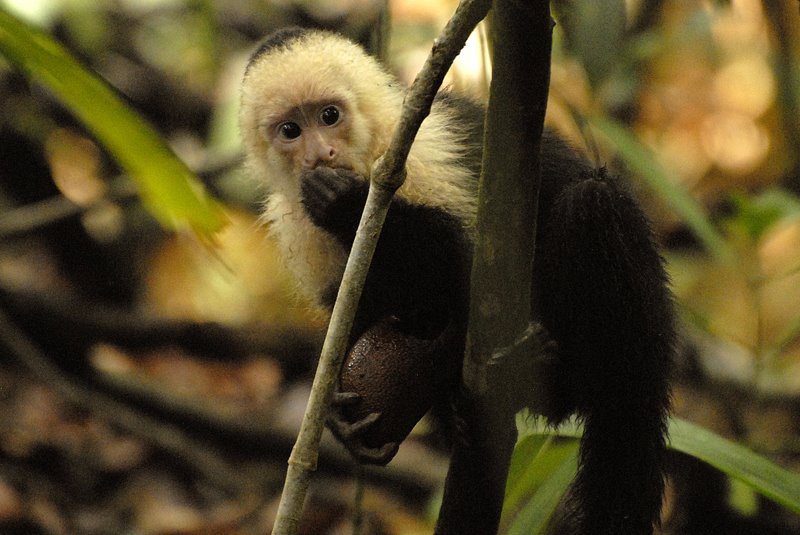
<point>602,294</point>
<point>619,486</point>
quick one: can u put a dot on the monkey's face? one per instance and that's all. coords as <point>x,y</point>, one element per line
<point>319,100</point>
<point>311,135</point>
<point>289,136</point>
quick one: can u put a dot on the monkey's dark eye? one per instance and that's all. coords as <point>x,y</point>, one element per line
<point>289,130</point>
<point>330,115</point>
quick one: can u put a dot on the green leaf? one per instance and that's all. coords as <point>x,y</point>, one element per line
<point>769,479</point>
<point>543,479</point>
<point>524,457</point>
<point>756,214</point>
<point>643,162</point>
<point>735,460</point>
<point>167,187</point>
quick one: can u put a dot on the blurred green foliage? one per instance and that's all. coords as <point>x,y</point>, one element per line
<point>166,185</point>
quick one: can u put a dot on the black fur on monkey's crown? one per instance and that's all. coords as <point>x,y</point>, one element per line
<point>279,39</point>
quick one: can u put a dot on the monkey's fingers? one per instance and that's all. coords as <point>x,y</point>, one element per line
<point>350,433</point>
<point>380,456</point>
<point>320,189</point>
<point>526,372</point>
<point>345,399</point>
<point>350,430</point>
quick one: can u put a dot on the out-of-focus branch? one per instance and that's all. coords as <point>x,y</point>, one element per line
<point>199,457</point>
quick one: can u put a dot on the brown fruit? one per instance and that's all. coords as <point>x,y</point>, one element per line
<point>394,375</point>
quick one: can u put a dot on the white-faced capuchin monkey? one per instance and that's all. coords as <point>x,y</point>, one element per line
<point>316,113</point>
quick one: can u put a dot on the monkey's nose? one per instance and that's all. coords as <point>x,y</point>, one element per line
<point>318,152</point>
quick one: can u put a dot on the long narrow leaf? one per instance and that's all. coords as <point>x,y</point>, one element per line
<point>522,478</point>
<point>534,516</point>
<point>737,461</point>
<point>641,160</point>
<point>167,187</point>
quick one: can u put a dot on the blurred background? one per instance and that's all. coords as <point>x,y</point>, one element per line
<point>152,384</point>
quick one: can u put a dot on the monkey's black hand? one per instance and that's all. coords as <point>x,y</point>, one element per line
<point>334,199</point>
<point>352,433</point>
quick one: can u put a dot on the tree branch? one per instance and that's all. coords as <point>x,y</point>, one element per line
<point>77,322</point>
<point>32,217</point>
<point>502,266</point>
<point>387,175</point>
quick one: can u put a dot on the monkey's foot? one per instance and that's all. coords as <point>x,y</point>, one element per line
<point>351,434</point>
<point>526,370</point>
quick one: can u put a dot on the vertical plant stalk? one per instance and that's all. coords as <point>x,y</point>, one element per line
<point>387,175</point>
<point>501,273</point>
<point>777,15</point>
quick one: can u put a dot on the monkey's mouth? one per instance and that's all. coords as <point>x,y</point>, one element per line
<point>362,171</point>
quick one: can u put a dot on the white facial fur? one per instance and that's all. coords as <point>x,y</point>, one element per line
<point>318,69</point>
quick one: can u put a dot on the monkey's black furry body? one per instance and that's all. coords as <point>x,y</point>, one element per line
<point>600,291</point>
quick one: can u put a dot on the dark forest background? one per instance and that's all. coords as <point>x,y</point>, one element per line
<point>151,383</point>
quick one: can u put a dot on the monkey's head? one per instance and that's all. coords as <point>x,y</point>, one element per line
<point>312,98</point>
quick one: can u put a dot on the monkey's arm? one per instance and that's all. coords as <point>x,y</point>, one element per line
<point>408,335</point>
<point>419,272</point>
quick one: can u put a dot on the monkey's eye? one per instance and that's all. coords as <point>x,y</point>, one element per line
<point>289,130</point>
<point>330,115</point>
